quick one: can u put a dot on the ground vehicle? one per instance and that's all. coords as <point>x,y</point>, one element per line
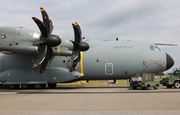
<point>172,80</point>
<point>144,80</point>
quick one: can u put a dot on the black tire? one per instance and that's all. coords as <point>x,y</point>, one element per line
<point>156,86</point>
<point>39,86</point>
<point>169,86</point>
<point>143,88</point>
<point>133,87</point>
<point>52,85</point>
<point>43,86</point>
<point>14,86</point>
<point>1,86</point>
<point>176,84</point>
<point>25,86</point>
<point>147,87</point>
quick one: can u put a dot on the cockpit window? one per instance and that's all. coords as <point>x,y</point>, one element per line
<point>157,48</point>
<point>154,48</point>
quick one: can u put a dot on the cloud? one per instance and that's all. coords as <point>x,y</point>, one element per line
<point>123,12</point>
<point>157,21</point>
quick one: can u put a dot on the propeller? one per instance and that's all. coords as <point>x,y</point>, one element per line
<point>78,46</point>
<point>47,40</point>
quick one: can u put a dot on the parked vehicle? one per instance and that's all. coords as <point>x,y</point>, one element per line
<point>172,81</point>
<point>144,81</point>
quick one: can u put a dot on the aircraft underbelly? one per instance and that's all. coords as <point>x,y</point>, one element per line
<point>29,76</point>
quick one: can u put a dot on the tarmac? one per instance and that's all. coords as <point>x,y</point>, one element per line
<point>98,100</point>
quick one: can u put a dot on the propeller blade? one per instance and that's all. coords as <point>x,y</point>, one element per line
<point>51,26</point>
<point>78,46</point>
<point>77,32</point>
<point>75,44</point>
<point>46,60</point>
<point>41,26</point>
<point>47,40</point>
<point>76,59</point>
<point>46,20</point>
<point>75,54</point>
<point>41,56</point>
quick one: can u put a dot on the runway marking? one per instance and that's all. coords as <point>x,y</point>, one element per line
<point>1,93</point>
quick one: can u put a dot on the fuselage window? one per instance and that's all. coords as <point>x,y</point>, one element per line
<point>4,36</point>
<point>177,72</point>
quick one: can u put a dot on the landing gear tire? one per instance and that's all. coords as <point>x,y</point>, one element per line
<point>39,86</point>
<point>43,86</point>
<point>25,86</point>
<point>52,85</point>
<point>14,86</point>
<point>177,84</point>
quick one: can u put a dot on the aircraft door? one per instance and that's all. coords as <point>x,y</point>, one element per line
<point>109,69</point>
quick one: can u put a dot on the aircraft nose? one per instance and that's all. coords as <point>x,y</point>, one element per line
<point>169,61</point>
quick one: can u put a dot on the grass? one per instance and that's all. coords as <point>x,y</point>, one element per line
<point>103,82</point>
<point>95,83</point>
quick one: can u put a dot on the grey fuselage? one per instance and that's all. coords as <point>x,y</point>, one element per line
<point>104,60</point>
<point>118,60</point>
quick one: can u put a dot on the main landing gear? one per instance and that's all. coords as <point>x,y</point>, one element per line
<point>31,86</point>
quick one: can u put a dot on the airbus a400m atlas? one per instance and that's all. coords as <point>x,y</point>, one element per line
<point>35,59</point>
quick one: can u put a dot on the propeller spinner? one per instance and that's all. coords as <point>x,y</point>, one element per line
<point>47,40</point>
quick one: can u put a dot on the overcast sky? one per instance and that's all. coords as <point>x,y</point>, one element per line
<point>151,20</point>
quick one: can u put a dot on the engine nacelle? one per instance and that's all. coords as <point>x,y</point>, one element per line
<point>61,51</point>
<point>20,49</point>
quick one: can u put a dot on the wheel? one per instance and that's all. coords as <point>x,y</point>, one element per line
<point>14,86</point>
<point>25,86</point>
<point>133,87</point>
<point>52,85</point>
<point>43,86</point>
<point>176,84</point>
<point>143,88</point>
<point>147,87</point>
<point>156,86</point>
<point>39,86</point>
<point>169,86</point>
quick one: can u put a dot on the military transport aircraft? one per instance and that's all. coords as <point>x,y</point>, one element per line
<point>35,59</point>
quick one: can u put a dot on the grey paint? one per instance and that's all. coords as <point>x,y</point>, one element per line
<point>104,60</point>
